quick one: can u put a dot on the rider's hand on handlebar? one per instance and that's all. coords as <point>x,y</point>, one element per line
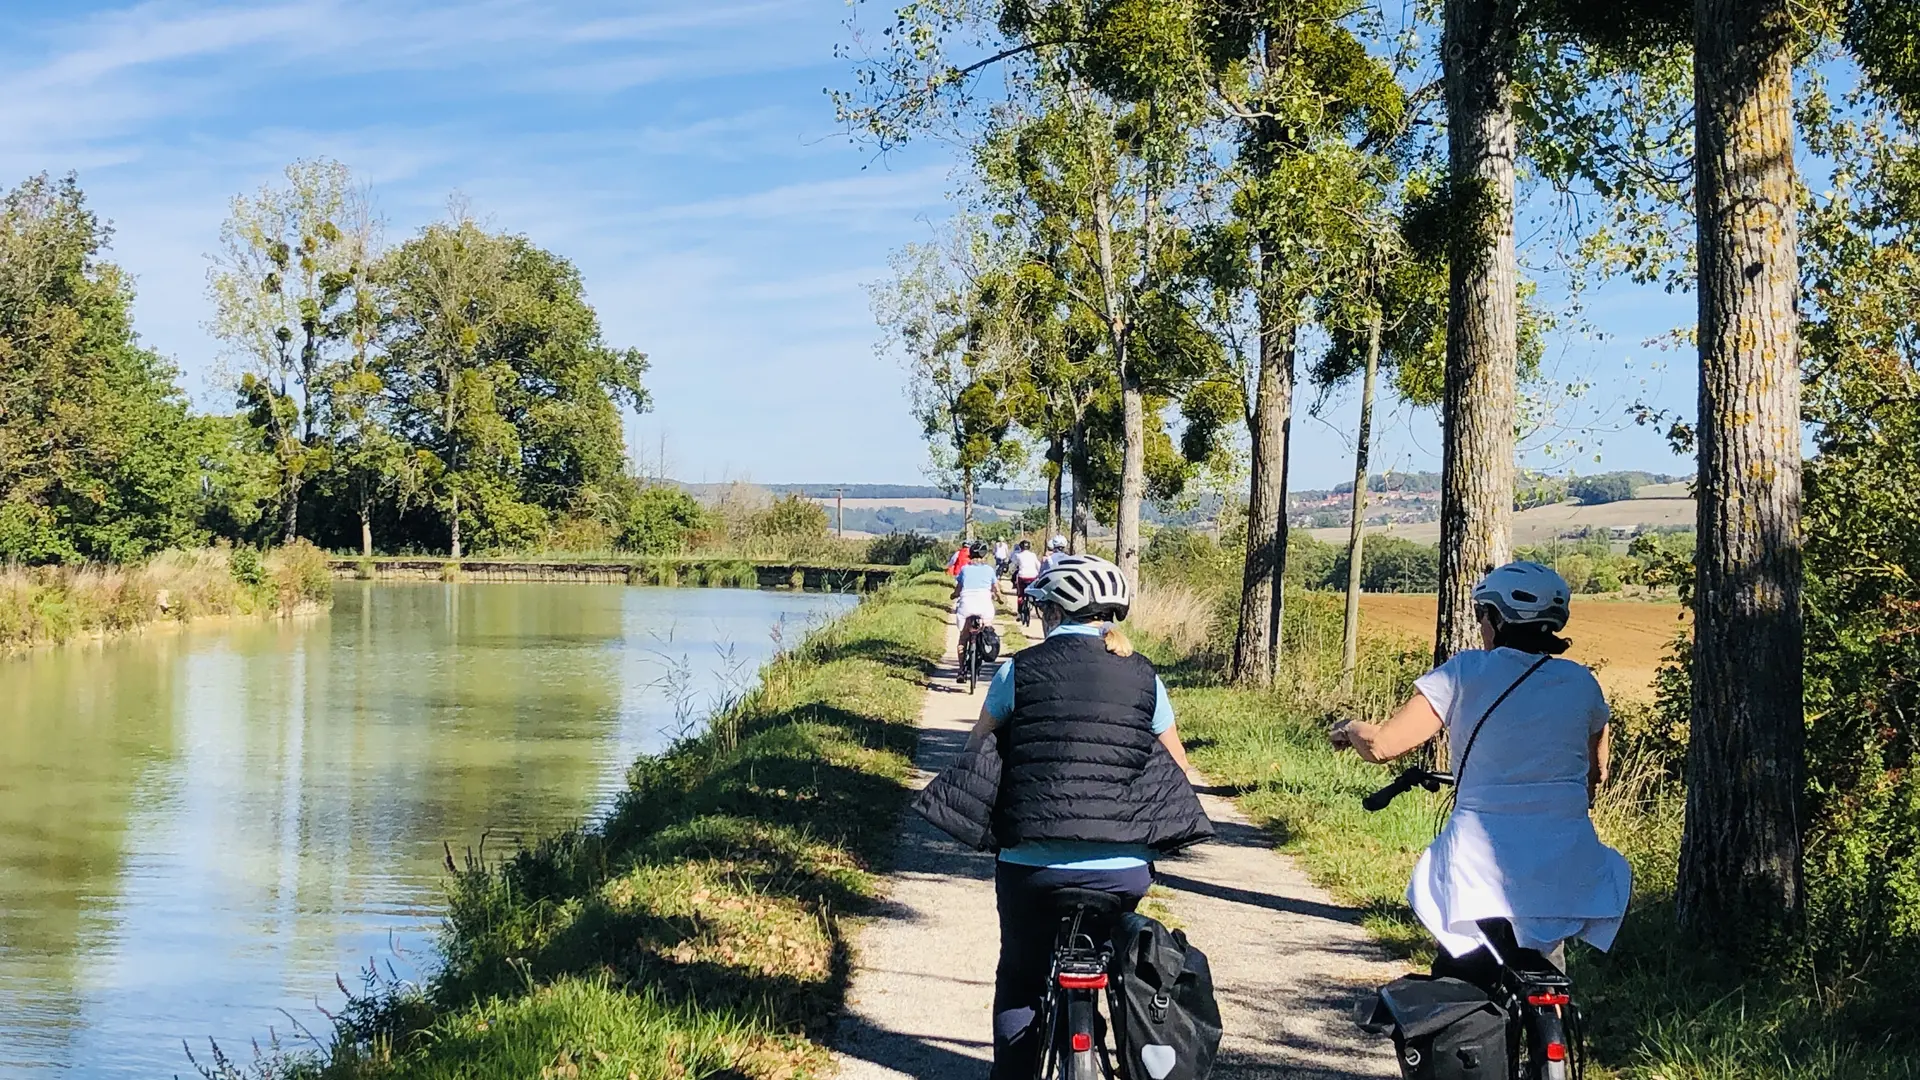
<point>1338,736</point>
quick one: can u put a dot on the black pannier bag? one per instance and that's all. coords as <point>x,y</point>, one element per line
<point>1166,1022</point>
<point>989,646</point>
<point>1443,1029</point>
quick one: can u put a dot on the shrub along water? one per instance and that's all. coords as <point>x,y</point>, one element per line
<point>698,929</point>
<point>51,604</point>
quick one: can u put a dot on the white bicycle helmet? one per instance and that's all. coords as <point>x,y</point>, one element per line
<point>1083,585</point>
<point>1058,543</point>
<point>1526,592</point>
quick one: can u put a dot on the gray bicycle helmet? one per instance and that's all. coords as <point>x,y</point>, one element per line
<point>1083,585</point>
<point>1526,592</point>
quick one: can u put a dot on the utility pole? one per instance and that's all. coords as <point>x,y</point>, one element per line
<point>840,512</point>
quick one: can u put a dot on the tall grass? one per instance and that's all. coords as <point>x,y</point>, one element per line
<point>53,604</point>
<point>699,929</point>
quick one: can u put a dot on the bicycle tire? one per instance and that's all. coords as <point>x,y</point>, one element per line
<point>973,669</point>
<point>1081,1019</point>
<point>1544,1028</point>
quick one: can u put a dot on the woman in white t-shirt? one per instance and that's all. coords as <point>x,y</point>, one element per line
<point>1520,845</point>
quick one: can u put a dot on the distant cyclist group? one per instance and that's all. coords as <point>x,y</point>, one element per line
<point>1076,775</point>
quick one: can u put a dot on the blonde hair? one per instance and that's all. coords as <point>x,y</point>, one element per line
<point>1117,641</point>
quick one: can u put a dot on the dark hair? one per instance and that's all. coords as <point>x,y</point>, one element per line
<point>1527,637</point>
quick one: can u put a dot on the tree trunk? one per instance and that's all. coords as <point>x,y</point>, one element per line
<point>1740,856</point>
<point>1056,457</point>
<point>1078,534</point>
<point>1256,645</point>
<point>366,531</point>
<point>456,523</point>
<point>1476,485</point>
<point>291,515</point>
<point>966,513</point>
<point>1133,479</point>
<point>1356,533</point>
<point>1133,420</point>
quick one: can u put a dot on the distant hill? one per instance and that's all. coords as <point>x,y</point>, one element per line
<point>1660,506</point>
<point>1004,498</point>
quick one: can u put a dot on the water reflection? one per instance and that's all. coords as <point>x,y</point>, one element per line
<point>200,827</point>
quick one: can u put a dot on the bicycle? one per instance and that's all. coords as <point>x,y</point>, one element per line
<point>1073,1034</point>
<point>971,659</point>
<point>1536,996</point>
<point>1023,607</point>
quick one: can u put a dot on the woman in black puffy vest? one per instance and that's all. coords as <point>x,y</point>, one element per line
<point>1094,782</point>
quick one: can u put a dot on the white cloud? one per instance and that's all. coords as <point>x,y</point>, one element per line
<point>714,224</point>
<point>862,197</point>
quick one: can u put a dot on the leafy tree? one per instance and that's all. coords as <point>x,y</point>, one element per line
<point>1082,155</point>
<point>659,520</point>
<point>289,257</point>
<point>945,309</point>
<point>1861,281</point>
<point>1390,564</point>
<point>1605,488</point>
<point>1309,111</point>
<point>496,369</point>
<point>100,458</point>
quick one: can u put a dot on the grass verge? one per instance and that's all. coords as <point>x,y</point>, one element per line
<point>698,929</point>
<point>1659,1009</point>
<point>48,605</point>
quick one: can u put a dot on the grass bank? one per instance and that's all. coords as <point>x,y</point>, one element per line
<point>698,930</point>
<point>1661,1009</point>
<point>48,605</point>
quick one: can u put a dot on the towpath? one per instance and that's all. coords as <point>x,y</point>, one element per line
<point>1287,961</point>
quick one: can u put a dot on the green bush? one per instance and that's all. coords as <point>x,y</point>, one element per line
<point>245,565</point>
<point>659,520</point>
<point>1605,488</point>
<point>1389,564</point>
<point>898,548</point>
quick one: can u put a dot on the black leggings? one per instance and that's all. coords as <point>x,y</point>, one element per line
<point>1028,924</point>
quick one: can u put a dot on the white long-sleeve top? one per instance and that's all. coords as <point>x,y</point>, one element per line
<point>1520,844</point>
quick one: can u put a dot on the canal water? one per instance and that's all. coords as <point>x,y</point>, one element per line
<point>200,828</point>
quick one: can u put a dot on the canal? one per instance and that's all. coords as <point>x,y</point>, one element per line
<point>202,827</point>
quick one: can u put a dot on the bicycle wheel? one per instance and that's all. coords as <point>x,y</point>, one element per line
<point>1083,1041</point>
<point>1549,1052</point>
<point>973,669</point>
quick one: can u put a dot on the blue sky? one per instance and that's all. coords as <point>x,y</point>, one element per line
<point>680,152</point>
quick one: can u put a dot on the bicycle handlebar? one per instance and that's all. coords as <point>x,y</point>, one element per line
<point>1409,779</point>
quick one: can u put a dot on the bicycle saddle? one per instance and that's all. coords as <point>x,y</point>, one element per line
<point>1529,965</point>
<point>1066,901</point>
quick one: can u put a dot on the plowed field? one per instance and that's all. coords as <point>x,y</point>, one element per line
<point>1622,640</point>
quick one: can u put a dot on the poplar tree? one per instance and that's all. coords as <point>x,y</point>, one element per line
<point>286,262</point>
<point>950,313</point>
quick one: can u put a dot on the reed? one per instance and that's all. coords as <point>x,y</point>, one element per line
<point>49,605</point>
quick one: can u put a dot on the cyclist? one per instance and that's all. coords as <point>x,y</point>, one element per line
<point>1056,550</point>
<point>1094,783</point>
<point>1520,845</point>
<point>1002,555</point>
<point>960,558</point>
<point>976,588</point>
<point>1026,568</point>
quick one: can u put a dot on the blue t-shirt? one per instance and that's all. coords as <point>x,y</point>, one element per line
<point>1068,854</point>
<point>978,576</point>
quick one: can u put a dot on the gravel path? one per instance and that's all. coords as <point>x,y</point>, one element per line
<point>1287,961</point>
